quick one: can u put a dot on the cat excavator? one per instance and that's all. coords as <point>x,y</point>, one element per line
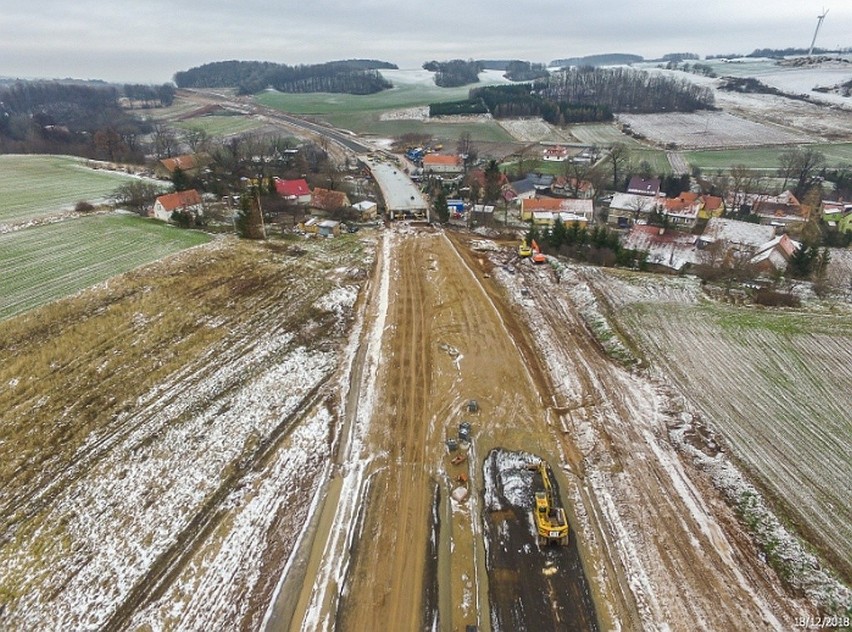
<point>549,517</point>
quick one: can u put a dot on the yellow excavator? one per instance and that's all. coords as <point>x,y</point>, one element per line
<point>524,249</point>
<point>549,517</point>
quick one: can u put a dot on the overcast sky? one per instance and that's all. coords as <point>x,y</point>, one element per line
<point>147,41</point>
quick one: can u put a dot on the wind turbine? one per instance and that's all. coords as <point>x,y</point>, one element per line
<point>820,18</point>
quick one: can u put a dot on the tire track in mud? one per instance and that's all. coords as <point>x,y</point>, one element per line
<point>171,562</point>
<point>400,500</point>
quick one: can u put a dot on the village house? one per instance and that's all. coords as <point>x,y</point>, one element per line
<point>478,176</point>
<point>442,164</point>
<point>644,186</point>
<point>519,190</point>
<point>711,206</point>
<point>555,153</point>
<point>774,210</point>
<point>545,211</point>
<point>190,164</point>
<point>573,187</point>
<point>754,243</point>
<point>682,211</point>
<point>626,209</point>
<point>837,215</point>
<point>668,250</point>
<point>187,201</point>
<point>742,235</point>
<point>328,200</point>
<point>367,210</point>
<point>296,191</point>
<point>774,254</point>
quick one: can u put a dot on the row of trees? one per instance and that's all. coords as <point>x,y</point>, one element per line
<point>598,245</point>
<point>147,96</point>
<point>626,90</point>
<point>354,76</point>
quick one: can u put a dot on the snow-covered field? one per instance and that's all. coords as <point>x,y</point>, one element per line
<point>771,384</point>
<point>179,509</point>
<point>703,130</point>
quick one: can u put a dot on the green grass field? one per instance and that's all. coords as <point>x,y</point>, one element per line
<point>763,157</point>
<point>32,186</point>
<point>362,113</point>
<point>48,262</point>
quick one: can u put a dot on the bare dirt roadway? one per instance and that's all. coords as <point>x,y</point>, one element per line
<point>659,548</point>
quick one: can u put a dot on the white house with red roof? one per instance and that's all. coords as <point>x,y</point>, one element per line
<point>187,201</point>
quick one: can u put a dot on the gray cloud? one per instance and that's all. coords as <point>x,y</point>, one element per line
<point>152,40</point>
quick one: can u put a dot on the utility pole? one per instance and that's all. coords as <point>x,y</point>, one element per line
<point>820,18</point>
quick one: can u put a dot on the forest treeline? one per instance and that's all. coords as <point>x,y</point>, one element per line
<point>625,90</point>
<point>579,95</point>
<point>352,76</point>
<point>518,101</point>
<point>70,118</point>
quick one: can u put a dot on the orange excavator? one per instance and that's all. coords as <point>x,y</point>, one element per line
<point>537,257</point>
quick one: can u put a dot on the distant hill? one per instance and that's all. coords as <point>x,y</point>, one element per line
<point>352,76</point>
<point>607,59</point>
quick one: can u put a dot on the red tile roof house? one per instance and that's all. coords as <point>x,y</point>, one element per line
<point>437,163</point>
<point>683,210</point>
<point>556,153</point>
<point>167,204</point>
<point>294,190</point>
<point>188,163</point>
<point>328,200</point>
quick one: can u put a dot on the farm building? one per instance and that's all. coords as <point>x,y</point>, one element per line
<point>644,186</point>
<point>328,200</point>
<point>546,210</point>
<point>438,163</point>
<point>367,210</point>
<point>187,201</point>
<point>294,190</point>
